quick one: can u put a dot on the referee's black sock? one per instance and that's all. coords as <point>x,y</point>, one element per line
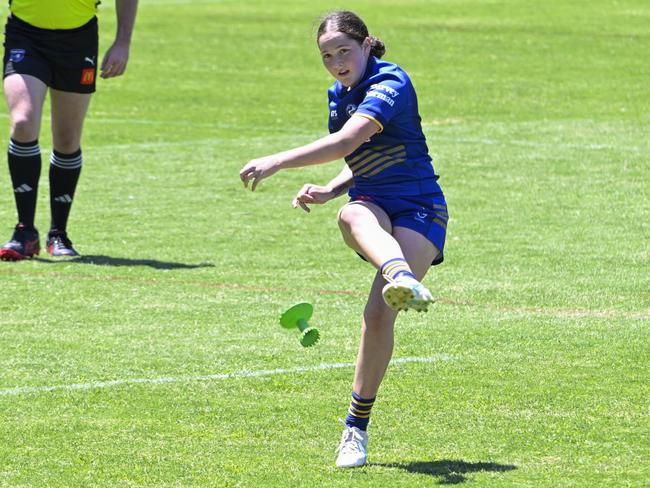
<point>64,175</point>
<point>25,168</point>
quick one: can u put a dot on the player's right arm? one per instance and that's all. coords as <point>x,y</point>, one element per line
<point>355,132</point>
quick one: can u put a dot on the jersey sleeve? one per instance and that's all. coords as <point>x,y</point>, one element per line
<point>384,99</point>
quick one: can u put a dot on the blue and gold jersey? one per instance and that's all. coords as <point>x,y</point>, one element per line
<point>54,14</point>
<point>396,160</point>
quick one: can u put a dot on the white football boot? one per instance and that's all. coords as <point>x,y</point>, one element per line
<point>406,293</point>
<point>353,449</point>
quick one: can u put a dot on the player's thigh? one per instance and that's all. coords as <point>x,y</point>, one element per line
<point>418,250</point>
<point>360,214</point>
<point>68,113</point>
<point>25,95</point>
<point>360,211</point>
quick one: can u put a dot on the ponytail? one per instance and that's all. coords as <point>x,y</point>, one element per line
<point>377,47</point>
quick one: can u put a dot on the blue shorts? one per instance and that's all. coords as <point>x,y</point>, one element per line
<point>425,214</point>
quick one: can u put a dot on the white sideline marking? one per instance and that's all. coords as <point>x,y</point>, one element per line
<point>211,377</point>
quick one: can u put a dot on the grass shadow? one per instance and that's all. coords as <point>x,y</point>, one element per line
<point>101,260</point>
<point>450,472</point>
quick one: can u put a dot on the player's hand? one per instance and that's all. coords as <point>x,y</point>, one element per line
<point>258,169</point>
<point>115,59</point>
<point>312,194</point>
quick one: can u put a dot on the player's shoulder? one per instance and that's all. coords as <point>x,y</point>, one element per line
<point>390,74</point>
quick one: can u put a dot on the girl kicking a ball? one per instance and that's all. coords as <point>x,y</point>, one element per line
<point>396,218</point>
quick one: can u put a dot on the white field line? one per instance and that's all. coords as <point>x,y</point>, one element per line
<point>20,390</point>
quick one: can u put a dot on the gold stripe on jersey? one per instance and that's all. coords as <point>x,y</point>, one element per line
<point>54,14</point>
<point>370,117</point>
<point>368,155</point>
<point>383,167</point>
<point>371,161</point>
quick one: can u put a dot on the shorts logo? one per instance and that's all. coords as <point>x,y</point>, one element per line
<point>87,76</point>
<point>16,55</point>
<point>334,115</point>
<point>420,216</point>
<point>350,109</point>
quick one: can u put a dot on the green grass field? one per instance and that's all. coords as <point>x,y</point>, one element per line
<point>157,358</point>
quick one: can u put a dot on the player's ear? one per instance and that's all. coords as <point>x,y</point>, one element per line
<point>366,45</point>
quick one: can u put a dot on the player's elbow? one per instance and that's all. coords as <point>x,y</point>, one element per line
<point>346,145</point>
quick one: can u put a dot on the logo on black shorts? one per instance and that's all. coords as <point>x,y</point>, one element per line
<point>87,76</point>
<point>16,55</point>
<point>350,109</point>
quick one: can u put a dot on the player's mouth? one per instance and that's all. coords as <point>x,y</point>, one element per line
<point>344,72</point>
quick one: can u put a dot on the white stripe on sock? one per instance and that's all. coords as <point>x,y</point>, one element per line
<point>23,151</point>
<point>66,163</point>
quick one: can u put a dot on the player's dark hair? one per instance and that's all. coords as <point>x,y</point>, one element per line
<point>351,25</point>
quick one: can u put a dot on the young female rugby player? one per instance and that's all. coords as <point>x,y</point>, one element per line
<point>397,215</point>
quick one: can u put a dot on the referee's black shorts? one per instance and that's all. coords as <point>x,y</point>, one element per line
<point>63,59</point>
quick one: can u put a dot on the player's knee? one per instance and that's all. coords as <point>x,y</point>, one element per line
<point>23,128</point>
<point>66,143</point>
<point>349,217</point>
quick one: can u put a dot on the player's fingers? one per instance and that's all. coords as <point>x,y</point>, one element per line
<point>246,174</point>
<point>256,181</point>
<point>118,69</point>
<point>306,198</point>
<point>243,178</point>
<point>109,71</point>
<point>302,191</point>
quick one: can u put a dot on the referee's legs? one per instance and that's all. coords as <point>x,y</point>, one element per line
<point>25,95</point>
<point>68,114</point>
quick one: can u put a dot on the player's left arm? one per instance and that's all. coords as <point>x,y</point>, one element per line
<point>117,56</point>
<point>317,194</point>
<point>355,132</point>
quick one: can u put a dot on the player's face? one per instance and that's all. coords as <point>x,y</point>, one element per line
<point>344,57</point>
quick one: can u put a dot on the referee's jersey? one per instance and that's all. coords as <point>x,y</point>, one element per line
<point>54,14</point>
